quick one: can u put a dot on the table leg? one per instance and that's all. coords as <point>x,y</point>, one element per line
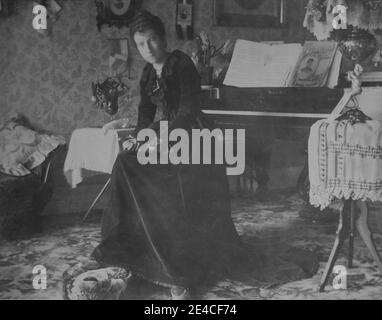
<point>351,233</point>
<point>342,233</point>
<point>95,200</point>
<point>365,233</point>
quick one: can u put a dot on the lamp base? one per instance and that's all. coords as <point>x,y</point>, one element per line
<point>356,44</point>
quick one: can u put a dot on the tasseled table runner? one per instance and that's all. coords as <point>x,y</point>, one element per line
<point>345,161</point>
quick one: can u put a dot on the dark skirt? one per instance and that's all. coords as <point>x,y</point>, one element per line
<point>170,224</point>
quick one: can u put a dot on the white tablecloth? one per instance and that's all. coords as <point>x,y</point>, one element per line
<point>345,161</point>
<point>91,149</point>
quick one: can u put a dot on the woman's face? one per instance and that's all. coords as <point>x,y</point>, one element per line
<point>151,46</point>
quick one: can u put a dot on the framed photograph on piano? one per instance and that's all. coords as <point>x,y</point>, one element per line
<point>250,13</point>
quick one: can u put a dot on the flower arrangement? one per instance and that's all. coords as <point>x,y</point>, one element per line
<point>206,51</point>
<point>317,9</point>
<point>106,94</point>
<point>363,14</point>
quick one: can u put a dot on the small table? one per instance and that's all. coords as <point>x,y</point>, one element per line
<point>92,149</point>
<point>350,220</point>
<point>345,162</point>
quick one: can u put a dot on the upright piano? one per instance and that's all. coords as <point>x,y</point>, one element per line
<point>288,111</point>
<point>268,114</point>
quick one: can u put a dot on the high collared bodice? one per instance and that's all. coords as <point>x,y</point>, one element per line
<point>176,94</point>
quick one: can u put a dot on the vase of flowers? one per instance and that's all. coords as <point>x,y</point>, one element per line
<point>106,94</point>
<point>318,9</point>
<point>202,58</point>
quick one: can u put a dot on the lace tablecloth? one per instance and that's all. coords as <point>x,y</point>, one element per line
<point>345,161</point>
<point>91,149</point>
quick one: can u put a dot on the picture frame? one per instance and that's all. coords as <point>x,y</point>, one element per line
<point>117,13</point>
<point>119,57</point>
<point>250,13</point>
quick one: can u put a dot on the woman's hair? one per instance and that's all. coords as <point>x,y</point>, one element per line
<point>144,21</point>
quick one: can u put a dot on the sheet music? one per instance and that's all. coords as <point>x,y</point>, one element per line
<point>282,63</point>
<point>314,65</point>
<point>256,64</point>
<point>248,60</point>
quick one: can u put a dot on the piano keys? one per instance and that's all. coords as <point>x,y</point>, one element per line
<point>284,110</point>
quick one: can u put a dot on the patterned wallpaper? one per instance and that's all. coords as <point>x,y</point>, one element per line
<point>48,78</point>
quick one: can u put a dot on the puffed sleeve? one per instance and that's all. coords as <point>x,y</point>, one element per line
<point>146,109</point>
<point>188,80</point>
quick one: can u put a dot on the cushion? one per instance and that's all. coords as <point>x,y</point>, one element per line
<point>100,284</point>
<point>22,148</point>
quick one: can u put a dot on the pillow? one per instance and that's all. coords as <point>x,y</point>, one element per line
<point>22,149</point>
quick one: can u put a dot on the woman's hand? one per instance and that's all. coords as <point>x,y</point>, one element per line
<point>131,144</point>
<point>115,124</point>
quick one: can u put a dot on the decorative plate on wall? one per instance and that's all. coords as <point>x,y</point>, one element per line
<point>116,12</point>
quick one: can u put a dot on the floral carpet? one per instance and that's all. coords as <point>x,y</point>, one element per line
<point>292,253</point>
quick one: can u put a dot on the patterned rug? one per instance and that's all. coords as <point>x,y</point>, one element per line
<point>292,253</point>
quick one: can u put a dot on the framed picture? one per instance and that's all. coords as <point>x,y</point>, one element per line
<point>250,13</point>
<point>116,12</point>
<point>119,57</point>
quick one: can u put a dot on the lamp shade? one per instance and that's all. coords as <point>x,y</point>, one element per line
<point>362,14</point>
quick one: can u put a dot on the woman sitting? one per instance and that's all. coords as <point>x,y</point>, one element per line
<point>169,224</point>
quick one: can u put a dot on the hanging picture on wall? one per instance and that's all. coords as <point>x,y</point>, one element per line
<point>250,13</point>
<point>116,12</point>
<point>119,57</point>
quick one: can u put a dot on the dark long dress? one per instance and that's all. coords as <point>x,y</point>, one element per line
<point>169,223</point>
